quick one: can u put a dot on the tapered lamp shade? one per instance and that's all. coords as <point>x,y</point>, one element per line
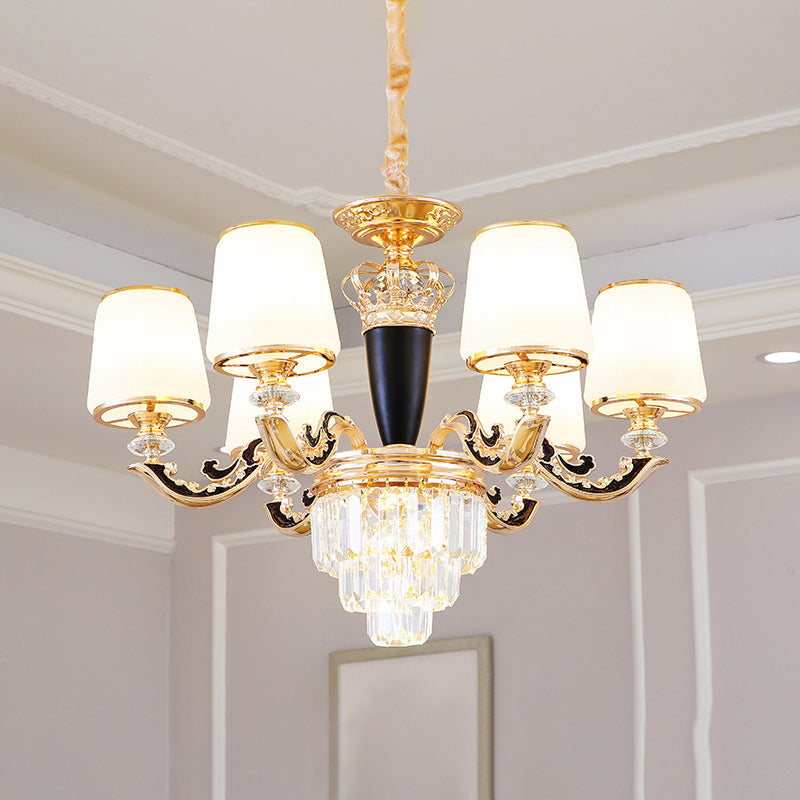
<point>270,299</point>
<point>646,348</point>
<point>566,428</point>
<point>525,293</point>
<point>315,399</point>
<point>146,355</point>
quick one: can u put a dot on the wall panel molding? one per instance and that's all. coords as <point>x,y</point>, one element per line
<point>699,480</point>
<point>219,646</point>
<point>637,637</point>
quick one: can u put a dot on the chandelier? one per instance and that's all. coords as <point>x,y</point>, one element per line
<point>398,525</point>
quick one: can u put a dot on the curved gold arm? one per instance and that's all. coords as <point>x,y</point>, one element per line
<point>287,520</point>
<point>633,472</point>
<point>224,483</point>
<point>493,452</point>
<point>508,520</point>
<point>309,452</point>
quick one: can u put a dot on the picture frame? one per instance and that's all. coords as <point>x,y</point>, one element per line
<point>412,722</point>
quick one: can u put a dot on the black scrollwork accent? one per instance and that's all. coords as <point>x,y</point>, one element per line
<point>476,441</point>
<point>584,466</point>
<point>510,520</point>
<point>288,521</point>
<point>321,450</point>
<point>225,482</point>
<point>632,473</point>
<point>212,470</point>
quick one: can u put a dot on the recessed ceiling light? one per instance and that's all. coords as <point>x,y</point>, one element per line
<point>781,357</point>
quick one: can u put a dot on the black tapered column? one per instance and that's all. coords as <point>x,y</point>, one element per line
<point>398,359</point>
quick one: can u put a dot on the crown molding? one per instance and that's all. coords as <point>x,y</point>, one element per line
<point>624,155</point>
<point>748,308</point>
<point>321,201</point>
<point>313,198</point>
<point>115,510</point>
<point>48,295</point>
<point>65,301</point>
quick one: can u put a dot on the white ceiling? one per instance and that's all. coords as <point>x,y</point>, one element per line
<point>151,127</point>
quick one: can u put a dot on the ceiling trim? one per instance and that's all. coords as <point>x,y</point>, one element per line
<point>321,201</point>
<point>625,155</point>
<point>57,298</point>
<point>114,511</point>
<point>314,198</point>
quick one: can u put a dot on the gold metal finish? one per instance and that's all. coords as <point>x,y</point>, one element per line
<point>400,465</point>
<point>400,291</point>
<point>673,405</point>
<point>309,453</point>
<point>143,286</point>
<point>494,362</point>
<point>391,220</point>
<point>393,294</point>
<point>642,280</point>
<point>521,222</point>
<point>632,474</point>
<point>527,372</point>
<point>268,222</point>
<point>118,414</point>
<point>150,421</point>
<point>306,360</point>
<point>223,484</point>
<point>493,453</point>
<point>397,80</point>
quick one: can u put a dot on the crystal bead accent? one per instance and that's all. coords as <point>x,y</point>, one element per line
<point>643,438</point>
<point>526,482</point>
<point>278,484</point>
<point>273,393</point>
<point>398,552</point>
<point>151,445</point>
<point>530,395</point>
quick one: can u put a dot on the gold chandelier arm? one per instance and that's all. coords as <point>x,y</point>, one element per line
<point>399,76</point>
<point>493,452</point>
<point>288,521</point>
<point>633,472</point>
<point>310,451</point>
<point>508,520</point>
<point>223,483</point>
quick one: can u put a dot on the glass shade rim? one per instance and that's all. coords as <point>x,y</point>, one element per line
<point>145,287</point>
<point>197,409</point>
<point>223,363</point>
<point>562,360</point>
<point>519,222</point>
<point>256,222</point>
<point>642,281</point>
<point>612,406</point>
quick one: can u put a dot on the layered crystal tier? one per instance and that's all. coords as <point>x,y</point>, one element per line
<point>398,551</point>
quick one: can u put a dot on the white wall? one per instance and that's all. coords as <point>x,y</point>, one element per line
<point>83,659</point>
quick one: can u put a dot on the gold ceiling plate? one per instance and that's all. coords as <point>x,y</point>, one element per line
<point>391,220</point>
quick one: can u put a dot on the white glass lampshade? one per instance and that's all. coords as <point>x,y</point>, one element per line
<point>525,290</point>
<point>566,427</point>
<point>270,292</point>
<point>315,399</point>
<point>146,347</point>
<point>646,347</point>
